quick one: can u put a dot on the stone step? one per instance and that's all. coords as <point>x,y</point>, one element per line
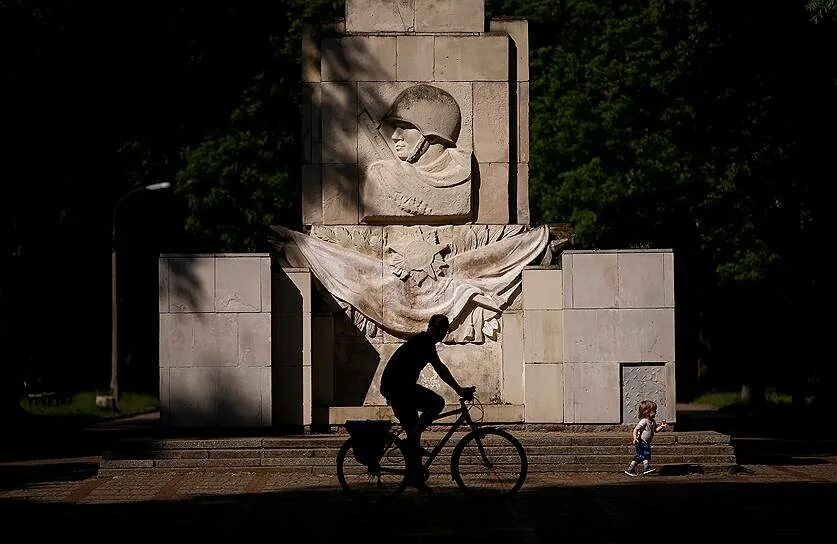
<point>439,469</point>
<point>546,460</point>
<point>527,438</point>
<point>331,451</point>
<point>546,452</point>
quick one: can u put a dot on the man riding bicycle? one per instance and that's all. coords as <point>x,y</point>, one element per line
<point>399,386</point>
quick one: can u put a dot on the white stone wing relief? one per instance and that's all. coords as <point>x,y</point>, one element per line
<point>470,287</point>
<point>365,325</point>
<point>364,240</point>
<point>491,326</point>
<point>467,238</point>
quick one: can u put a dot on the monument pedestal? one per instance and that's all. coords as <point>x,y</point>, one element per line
<point>415,202</point>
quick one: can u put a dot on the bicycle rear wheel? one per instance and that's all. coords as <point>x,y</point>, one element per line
<point>380,480</point>
<point>489,463</point>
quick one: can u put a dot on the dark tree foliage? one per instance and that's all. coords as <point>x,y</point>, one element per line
<point>706,127</point>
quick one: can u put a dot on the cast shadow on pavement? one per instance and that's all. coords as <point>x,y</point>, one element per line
<point>739,510</point>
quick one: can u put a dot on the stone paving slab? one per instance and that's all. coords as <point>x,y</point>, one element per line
<point>138,486</point>
<point>789,502</point>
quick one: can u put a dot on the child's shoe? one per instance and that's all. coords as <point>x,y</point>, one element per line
<point>648,470</point>
<point>629,473</point>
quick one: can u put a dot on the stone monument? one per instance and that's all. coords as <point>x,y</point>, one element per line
<point>415,202</point>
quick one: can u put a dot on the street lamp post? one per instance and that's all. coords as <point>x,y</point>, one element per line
<point>114,342</point>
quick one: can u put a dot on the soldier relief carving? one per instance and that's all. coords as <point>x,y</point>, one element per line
<point>418,174</point>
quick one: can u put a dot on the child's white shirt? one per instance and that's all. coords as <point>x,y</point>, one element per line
<point>646,429</point>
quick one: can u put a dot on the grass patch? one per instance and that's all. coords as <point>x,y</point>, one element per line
<point>775,397</point>
<point>775,403</point>
<point>729,399</point>
<point>81,407</point>
<point>719,399</point>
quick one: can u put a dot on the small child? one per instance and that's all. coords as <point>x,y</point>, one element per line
<point>642,436</point>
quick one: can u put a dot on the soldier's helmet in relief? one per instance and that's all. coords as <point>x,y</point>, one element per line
<point>431,110</point>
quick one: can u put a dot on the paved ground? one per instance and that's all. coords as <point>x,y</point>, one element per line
<point>46,498</point>
<point>789,496</point>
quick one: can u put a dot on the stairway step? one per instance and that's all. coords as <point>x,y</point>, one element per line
<point>556,451</point>
<point>698,439</point>
<point>441,470</point>
<point>441,460</point>
<point>447,450</point>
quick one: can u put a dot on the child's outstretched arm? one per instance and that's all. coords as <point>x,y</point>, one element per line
<point>662,426</point>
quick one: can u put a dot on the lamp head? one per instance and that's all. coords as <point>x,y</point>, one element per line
<point>157,186</point>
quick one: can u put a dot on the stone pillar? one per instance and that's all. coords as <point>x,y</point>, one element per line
<point>543,324</point>
<point>292,326</point>
<point>322,367</point>
<point>215,355</point>
<point>518,31</point>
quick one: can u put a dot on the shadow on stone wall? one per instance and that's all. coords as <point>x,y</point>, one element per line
<point>354,361</point>
<point>343,369</point>
<point>183,281</point>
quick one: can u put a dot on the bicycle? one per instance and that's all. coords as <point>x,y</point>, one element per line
<point>486,462</point>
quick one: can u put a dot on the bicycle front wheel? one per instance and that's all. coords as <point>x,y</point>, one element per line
<point>385,477</point>
<point>489,463</point>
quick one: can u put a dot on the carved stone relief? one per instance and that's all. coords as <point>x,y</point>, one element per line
<point>363,239</point>
<point>415,173</point>
<point>396,277</point>
<point>640,382</point>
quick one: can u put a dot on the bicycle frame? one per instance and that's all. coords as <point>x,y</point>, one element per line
<point>464,418</point>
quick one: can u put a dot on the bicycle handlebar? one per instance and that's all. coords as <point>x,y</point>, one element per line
<point>469,394</point>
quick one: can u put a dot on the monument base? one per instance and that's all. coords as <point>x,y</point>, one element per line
<point>494,413</point>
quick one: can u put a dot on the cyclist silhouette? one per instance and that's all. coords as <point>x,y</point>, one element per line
<point>399,386</point>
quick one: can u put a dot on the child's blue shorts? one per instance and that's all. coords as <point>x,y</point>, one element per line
<point>643,451</point>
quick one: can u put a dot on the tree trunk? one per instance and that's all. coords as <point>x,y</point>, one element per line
<point>752,394</point>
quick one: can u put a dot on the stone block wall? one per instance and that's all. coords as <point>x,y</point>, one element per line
<point>360,65</point>
<point>415,15</point>
<point>215,354</point>
<point>618,331</point>
<point>599,337</point>
<point>582,345</point>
